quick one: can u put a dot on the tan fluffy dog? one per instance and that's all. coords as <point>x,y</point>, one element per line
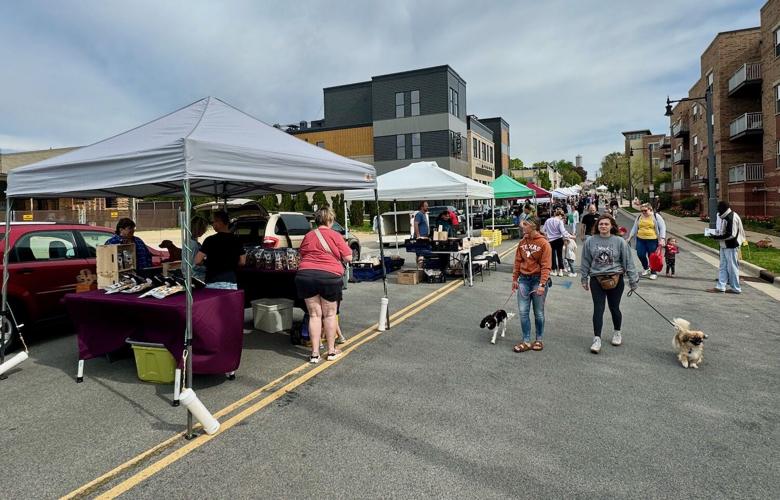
<point>689,343</point>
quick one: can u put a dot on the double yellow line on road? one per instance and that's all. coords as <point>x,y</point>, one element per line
<point>356,341</point>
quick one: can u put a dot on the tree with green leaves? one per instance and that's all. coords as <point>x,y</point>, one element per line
<point>337,204</point>
<point>269,202</point>
<point>544,179</point>
<point>287,204</point>
<point>302,203</point>
<point>319,199</point>
<point>356,213</point>
<point>516,164</point>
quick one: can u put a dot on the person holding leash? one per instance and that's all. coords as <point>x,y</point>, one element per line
<point>606,258</point>
<point>530,278</point>
<point>650,231</point>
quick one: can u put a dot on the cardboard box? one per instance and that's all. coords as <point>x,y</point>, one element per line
<point>410,277</point>
<point>113,260</point>
<point>440,236</point>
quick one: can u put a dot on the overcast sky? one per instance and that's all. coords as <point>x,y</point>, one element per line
<point>568,76</point>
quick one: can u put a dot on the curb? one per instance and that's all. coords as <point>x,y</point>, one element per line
<point>756,271</point>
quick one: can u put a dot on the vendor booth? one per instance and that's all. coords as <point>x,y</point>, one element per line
<point>208,148</point>
<point>505,187</point>
<point>425,180</point>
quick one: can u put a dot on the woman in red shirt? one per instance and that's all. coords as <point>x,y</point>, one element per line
<point>319,280</point>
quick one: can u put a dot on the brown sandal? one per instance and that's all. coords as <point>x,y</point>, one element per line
<point>522,347</point>
<point>537,345</point>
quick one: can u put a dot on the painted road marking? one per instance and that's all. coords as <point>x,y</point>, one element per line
<point>354,341</point>
<point>179,453</point>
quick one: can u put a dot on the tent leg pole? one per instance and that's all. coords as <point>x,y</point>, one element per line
<point>468,237</point>
<point>346,233</point>
<point>187,260</point>
<point>382,258</point>
<point>395,216</point>
<point>6,320</point>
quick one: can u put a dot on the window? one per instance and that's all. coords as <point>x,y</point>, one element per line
<point>320,144</point>
<point>93,239</point>
<point>484,151</point>
<point>453,101</point>
<point>293,224</point>
<point>778,154</point>
<point>695,143</point>
<point>415,103</point>
<point>400,147</point>
<point>777,42</point>
<point>777,99</point>
<point>695,111</point>
<point>45,245</point>
<point>416,145</point>
<point>399,104</point>
<point>710,79</point>
<point>475,148</point>
<point>490,154</point>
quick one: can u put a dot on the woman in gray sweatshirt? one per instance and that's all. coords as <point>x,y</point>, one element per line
<point>606,255</point>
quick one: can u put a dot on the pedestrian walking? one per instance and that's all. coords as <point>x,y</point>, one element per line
<point>556,233</point>
<point>606,259</point>
<point>570,249</point>
<point>573,218</point>
<point>650,231</point>
<point>731,234</point>
<point>670,256</point>
<point>530,278</point>
<point>589,222</point>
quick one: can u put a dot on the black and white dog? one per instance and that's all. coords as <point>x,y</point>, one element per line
<point>496,321</point>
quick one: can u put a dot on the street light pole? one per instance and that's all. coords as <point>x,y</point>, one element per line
<point>712,200</point>
<point>652,188</point>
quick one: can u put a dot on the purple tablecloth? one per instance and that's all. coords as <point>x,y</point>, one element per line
<point>103,322</point>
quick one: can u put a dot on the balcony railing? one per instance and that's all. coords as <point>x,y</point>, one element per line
<point>747,124</point>
<point>746,172</point>
<point>679,129</point>
<point>665,143</point>
<point>682,184</point>
<point>665,165</point>
<point>681,156</point>
<point>747,74</point>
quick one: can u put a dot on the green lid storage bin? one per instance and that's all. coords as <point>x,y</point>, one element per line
<point>153,362</point>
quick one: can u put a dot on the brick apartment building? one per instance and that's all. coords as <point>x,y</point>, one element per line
<point>396,119</point>
<point>743,70</point>
<point>645,149</point>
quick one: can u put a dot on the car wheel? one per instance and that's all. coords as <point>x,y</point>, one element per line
<point>9,336</point>
<point>355,253</point>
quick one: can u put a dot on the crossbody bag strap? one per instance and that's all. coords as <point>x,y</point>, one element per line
<point>325,244</point>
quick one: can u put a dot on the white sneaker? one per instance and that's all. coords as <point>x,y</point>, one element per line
<point>653,276</point>
<point>572,275</point>
<point>617,338</point>
<point>314,359</point>
<point>645,272</point>
<point>595,347</point>
<point>560,273</point>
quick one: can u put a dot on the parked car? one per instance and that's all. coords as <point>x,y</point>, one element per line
<point>43,262</point>
<point>254,226</point>
<point>434,211</point>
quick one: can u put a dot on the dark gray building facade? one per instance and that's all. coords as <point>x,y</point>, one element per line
<point>500,129</point>
<point>417,115</point>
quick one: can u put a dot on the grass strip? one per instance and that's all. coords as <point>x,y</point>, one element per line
<point>768,258</point>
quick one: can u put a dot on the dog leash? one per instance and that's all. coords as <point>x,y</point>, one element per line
<point>634,292</point>
<point>507,300</point>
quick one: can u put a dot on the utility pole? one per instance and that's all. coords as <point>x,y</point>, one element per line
<point>652,188</point>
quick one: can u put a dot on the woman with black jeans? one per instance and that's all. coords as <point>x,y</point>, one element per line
<point>606,257</point>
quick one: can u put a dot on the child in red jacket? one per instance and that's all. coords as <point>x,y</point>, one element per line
<point>670,255</point>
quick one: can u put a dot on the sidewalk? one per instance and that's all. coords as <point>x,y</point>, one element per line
<point>682,226</point>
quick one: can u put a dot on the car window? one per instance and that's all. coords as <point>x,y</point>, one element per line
<point>337,227</point>
<point>297,225</point>
<point>93,239</point>
<point>43,246</point>
<point>249,232</point>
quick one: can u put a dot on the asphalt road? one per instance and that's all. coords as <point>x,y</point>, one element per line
<point>431,409</point>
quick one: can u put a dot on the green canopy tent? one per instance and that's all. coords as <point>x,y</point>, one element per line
<point>506,187</point>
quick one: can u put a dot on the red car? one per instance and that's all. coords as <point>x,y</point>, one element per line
<point>43,263</point>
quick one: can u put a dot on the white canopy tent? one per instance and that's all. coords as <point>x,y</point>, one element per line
<point>423,180</point>
<point>207,148</point>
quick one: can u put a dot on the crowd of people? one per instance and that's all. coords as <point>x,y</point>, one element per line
<point>549,248</point>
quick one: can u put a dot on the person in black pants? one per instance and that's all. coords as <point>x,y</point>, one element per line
<point>606,258</point>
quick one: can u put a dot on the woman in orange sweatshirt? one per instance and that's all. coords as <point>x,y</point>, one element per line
<point>530,278</point>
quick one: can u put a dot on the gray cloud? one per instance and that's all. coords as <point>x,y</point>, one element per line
<point>567,75</point>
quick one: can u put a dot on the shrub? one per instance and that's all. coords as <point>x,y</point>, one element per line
<point>690,203</point>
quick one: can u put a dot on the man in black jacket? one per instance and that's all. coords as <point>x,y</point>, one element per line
<point>730,234</point>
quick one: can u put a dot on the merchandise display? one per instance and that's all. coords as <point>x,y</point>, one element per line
<point>155,285</point>
<point>273,259</point>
